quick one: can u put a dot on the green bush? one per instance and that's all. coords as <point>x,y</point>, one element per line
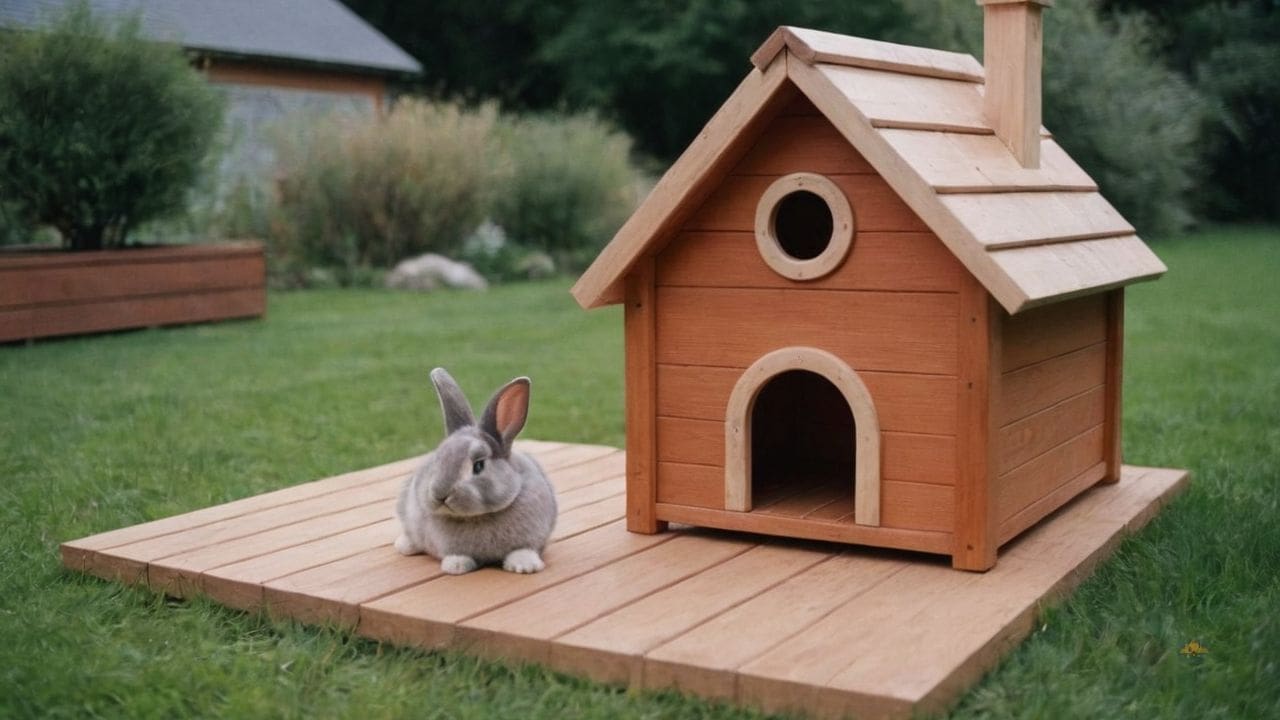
<point>499,260</point>
<point>1132,123</point>
<point>100,130</point>
<point>359,193</point>
<point>354,194</point>
<point>1228,49</point>
<point>572,185</point>
<point>15,228</point>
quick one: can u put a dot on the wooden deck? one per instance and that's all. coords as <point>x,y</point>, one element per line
<point>775,624</point>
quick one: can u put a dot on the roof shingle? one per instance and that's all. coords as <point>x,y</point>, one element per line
<point>323,32</point>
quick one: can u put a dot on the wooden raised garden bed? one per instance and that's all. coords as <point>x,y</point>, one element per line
<point>47,293</point>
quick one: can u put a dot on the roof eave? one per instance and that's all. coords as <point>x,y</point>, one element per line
<point>308,63</point>
<point>683,185</point>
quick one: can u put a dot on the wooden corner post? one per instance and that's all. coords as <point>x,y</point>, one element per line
<point>980,328</point>
<point>1012,43</point>
<point>1113,417</point>
<point>641,389</point>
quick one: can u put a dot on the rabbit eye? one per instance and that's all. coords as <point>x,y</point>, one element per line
<point>477,467</point>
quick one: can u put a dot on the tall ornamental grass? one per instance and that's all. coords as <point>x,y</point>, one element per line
<point>360,193</point>
<point>353,196</point>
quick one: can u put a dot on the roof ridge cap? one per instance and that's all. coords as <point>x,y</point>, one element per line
<point>818,46</point>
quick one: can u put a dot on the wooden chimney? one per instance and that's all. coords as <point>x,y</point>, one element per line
<point>1013,36</point>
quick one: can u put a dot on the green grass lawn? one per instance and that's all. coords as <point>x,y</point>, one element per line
<point>102,432</point>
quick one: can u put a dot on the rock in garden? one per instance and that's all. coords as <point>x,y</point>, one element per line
<point>431,271</point>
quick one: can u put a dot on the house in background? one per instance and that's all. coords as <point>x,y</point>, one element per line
<point>274,58</point>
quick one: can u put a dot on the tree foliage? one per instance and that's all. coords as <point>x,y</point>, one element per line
<point>99,129</point>
<point>1230,49</point>
<point>657,68</point>
<point>663,68</point>
<point>477,50</point>
<point>1131,122</point>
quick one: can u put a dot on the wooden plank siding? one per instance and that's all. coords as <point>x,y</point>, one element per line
<point>887,261</point>
<point>62,284</point>
<point>1052,410</point>
<point>905,402</point>
<point>889,311</point>
<point>45,294</point>
<point>911,457</point>
<point>881,331</point>
<point>877,207</point>
<point>327,80</point>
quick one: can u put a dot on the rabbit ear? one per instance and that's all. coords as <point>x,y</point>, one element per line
<point>457,411</point>
<point>506,412</point>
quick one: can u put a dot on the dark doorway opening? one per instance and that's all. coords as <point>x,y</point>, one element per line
<point>802,448</point>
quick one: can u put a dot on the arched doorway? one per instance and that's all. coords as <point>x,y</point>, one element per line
<point>800,421</point>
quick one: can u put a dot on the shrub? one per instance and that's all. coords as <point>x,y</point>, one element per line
<point>1241,77</point>
<point>362,193</point>
<point>661,69</point>
<point>572,185</point>
<point>1228,49</point>
<point>357,193</point>
<point>1130,122</point>
<point>99,129</point>
<point>494,256</point>
<point>15,229</point>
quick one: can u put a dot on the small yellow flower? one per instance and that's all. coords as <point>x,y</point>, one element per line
<point>1193,649</point>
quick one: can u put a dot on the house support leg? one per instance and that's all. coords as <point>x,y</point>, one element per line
<point>977,386</point>
<point>641,384</point>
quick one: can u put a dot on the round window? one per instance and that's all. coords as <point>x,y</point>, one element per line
<point>804,226</point>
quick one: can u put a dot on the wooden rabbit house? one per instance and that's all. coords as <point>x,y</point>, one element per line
<point>874,302</point>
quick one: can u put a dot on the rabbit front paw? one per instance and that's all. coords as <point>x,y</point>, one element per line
<point>457,564</point>
<point>523,560</point>
<point>405,546</point>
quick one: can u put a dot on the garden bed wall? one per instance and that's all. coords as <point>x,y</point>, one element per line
<point>43,293</point>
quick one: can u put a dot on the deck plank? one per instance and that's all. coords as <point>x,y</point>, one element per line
<point>705,660</point>
<point>776,624</point>
<point>327,594</point>
<point>131,562</point>
<point>75,552</point>
<point>611,649</point>
<point>426,614</point>
<point>179,574</point>
<point>240,584</point>
<point>523,630</point>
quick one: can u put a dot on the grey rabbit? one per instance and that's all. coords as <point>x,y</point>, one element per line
<point>475,500</point>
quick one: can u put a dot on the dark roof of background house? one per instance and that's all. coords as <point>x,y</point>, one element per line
<point>321,32</point>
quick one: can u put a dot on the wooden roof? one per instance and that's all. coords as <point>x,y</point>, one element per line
<point>1030,236</point>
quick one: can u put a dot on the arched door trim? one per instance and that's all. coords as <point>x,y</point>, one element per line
<point>737,427</point>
